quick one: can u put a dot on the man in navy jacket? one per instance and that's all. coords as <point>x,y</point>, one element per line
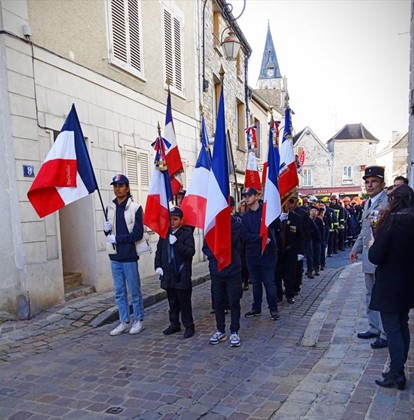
<point>261,266</point>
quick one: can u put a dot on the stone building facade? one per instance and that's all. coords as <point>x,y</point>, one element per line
<point>111,59</point>
<point>394,157</point>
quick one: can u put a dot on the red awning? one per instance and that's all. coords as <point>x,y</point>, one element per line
<point>348,190</point>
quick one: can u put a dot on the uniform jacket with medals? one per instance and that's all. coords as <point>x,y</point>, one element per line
<point>369,217</point>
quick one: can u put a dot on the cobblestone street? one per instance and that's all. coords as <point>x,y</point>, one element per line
<point>307,365</point>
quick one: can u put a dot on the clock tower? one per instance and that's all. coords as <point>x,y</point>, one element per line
<point>271,85</point>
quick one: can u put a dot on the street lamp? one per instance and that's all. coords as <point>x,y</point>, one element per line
<point>231,44</point>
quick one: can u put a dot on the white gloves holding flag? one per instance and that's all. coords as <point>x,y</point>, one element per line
<point>172,239</point>
<point>268,240</point>
<point>159,271</point>
<point>283,216</point>
<point>107,226</point>
<point>300,257</point>
<point>111,239</point>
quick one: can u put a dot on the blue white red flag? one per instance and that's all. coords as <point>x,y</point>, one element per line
<point>252,177</point>
<point>288,174</point>
<point>194,203</point>
<point>271,199</point>
<point>157,211</point>
<point>217,225</point>
<point>172,154</point>
<point>66,174</point>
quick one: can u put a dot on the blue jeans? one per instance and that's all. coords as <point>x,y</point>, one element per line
<point>126,279</point>
<point>398,336</point>
<point>261,273</point>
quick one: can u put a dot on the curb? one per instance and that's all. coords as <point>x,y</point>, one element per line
<point>311,335</point>
<point>111,315</point>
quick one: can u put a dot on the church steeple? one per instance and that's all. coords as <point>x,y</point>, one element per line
<point>270,76</point>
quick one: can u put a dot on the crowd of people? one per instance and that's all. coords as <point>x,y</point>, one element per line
<point>307,232</point>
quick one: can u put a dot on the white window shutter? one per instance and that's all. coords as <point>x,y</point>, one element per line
<point>134,20</point>
<point>177,55</point>
<point>168,45</point>
<point>137,171</point>
<point>125,35</point>
<point>119,30</point>
<point>173,51</point>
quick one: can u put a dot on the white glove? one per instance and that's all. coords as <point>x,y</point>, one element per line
<point>268,241</point>
<point>300,257</point>
<point>283,216</point>
<point>111,239</point>
<point>159,271</point>
<point>107,226</point>
<point>172,239</point>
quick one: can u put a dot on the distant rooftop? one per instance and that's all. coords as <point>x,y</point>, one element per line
<point>354,132</point>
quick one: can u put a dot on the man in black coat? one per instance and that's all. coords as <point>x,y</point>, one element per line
<point>173,263</point>
<point>291,248</point>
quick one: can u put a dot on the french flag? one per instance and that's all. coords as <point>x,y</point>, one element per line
<point>217,225</point>
<point>194,203</point>
<point>67,174</point>
<point>252,177</point>
<point>288,173</point>
<point>157,211</point>
<point>172,154</point>
<point>271,198</point>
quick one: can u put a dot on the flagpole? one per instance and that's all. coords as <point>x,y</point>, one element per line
<point>232,163</point>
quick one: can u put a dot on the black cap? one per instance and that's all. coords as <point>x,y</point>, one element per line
<point>377,171</point>
<point>250,191</point>
<point>120,179</point>
<point>176,211</point>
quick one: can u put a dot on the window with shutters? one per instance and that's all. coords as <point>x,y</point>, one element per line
<point>138,172</point>
<point>125,35</point>
<point>173,51</point>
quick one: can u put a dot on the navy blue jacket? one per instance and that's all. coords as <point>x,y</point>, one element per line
<point>235,266</point>
<point>251,221</point>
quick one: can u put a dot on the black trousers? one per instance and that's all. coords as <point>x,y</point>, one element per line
<point>330,242</point>
<point>180,302</point>
<point>398,335</point>
<point>286,271</point>
<point>230,288</point>
<point>299,275</point>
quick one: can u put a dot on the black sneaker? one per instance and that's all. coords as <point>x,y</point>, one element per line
<point>252,313</point>
<point>274,315</point>
<point>189,331</point>
<point>172,329</point>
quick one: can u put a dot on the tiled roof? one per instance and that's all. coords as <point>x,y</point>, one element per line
<point>354,132</point>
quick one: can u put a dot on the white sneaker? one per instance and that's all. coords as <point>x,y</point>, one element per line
<point>136,328</point>
<point>123,326</point>
<point>234,340</point>
<point>218,337</point>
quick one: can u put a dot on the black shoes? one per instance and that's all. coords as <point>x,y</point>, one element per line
<point>252,313</point>
<point>290,301</point>
<point>367,335</point>
<point>172,329</point>
<point>309,274</point>
<point>393,379</point>
<point>379,343</point>
<point>189,331</point>
<point>274,315</point>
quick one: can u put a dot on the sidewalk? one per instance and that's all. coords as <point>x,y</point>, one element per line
<point>308,365</point>
<point>92,310</point>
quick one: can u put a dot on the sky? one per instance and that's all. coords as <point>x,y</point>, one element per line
<point>346,61</point>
